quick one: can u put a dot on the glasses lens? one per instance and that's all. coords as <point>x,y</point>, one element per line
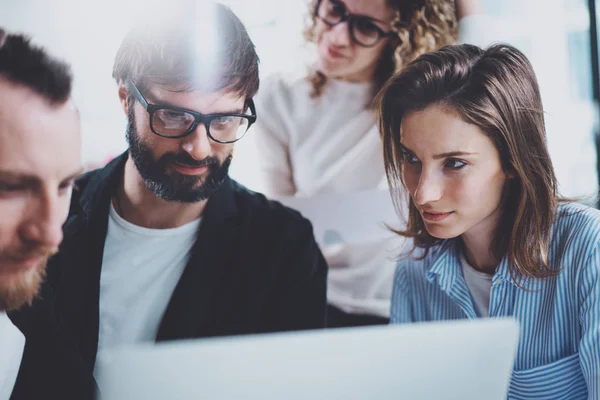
<point>331,11</point>
<point>228,128</point>
<point>365,31</point>
<point>171,122</point>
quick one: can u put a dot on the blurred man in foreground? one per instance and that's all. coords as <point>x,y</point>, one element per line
<point>40,157</point>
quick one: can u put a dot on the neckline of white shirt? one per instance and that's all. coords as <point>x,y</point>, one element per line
<point>474,271</point>
<point>140,230</point>
<point>341,84</point>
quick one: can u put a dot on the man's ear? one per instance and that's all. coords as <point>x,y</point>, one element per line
<point>123,95</point>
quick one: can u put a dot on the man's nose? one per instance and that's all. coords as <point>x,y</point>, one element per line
<point>197,143</point>
<point>45,219</point>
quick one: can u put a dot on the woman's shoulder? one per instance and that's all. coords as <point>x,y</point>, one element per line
<point>577,215</point>
<point>283,95</point>
<point>577,222</point>
<point>284,86</point>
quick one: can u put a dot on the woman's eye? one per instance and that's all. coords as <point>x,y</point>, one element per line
<point>410,158</point>
<point>335,9</point>
<point>366,27</point>
<point>454,164</point>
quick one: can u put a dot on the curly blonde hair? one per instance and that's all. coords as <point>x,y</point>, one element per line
<point>421,26</point>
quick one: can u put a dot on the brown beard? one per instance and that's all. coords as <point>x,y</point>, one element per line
<point>23,288</point>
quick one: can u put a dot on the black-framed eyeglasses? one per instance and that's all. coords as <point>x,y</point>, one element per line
<point>363,30</point>
<point>174,122</point>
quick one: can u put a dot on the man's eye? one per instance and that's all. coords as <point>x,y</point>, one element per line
<point>223,120</point>
<point>68,185</point>
<point>8,187</point>
<point>453,163</point>
<point>174,114</point>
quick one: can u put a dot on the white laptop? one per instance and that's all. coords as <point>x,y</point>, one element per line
<point>462,360</point>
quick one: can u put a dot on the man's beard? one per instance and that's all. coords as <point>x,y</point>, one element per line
<point>19,288</point>
<point>174,186</point>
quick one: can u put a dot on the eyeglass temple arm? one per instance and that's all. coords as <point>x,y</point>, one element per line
<point>252,107</point>
<point>134,90</point>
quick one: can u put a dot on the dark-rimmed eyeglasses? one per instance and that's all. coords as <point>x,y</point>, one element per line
<point>363,30</point>
<point>174,122</point>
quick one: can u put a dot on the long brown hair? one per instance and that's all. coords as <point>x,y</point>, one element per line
<point>496,90</point>
<point>421,26</point>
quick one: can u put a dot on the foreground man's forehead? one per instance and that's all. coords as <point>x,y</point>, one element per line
<point>39,141</point>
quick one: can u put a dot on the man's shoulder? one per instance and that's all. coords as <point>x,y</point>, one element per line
<point>83,180</point>
<point>79,186</point>
<point>93,183</point>
<point>269,211</point>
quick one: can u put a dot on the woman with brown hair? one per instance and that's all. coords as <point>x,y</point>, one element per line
<point>317,135</point>
<point>463,133</point>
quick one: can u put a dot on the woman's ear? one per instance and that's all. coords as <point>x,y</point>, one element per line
<point>510,174</point>
<point>123,95</point>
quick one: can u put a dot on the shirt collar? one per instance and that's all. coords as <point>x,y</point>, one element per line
<point>520,281</point>
<point>446,267</point>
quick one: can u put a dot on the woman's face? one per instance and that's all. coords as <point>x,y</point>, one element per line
<point>453,173</point>
<point>339,55</point>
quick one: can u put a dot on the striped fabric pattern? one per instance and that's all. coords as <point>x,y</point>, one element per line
<point>558,355</point>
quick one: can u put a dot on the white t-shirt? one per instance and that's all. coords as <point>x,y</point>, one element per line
<point>140,270</point>
<point>480,287</point>
<point>12,343</point>
<point>331,144</point>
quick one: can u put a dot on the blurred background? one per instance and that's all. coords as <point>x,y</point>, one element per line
<point>558,36</point>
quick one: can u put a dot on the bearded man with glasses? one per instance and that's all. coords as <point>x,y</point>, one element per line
<point>161,244</point>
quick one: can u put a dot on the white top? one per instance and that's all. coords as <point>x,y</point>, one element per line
<point>331,144</point>
<point>12,343</point>
<point>140,270</point>
<point>479,285</point>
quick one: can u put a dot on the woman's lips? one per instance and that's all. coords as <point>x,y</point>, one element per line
<point>435,216</point>
<point>333,53</point>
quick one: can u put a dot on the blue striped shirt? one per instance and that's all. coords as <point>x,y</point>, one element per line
<point>558,355</point>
